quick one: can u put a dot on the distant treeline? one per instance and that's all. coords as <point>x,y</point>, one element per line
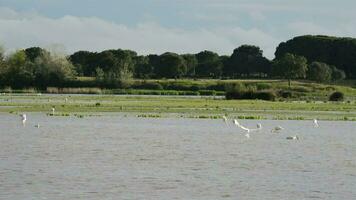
<point>318,58</point>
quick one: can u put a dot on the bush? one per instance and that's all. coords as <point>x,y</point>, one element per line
<point>285,93</point>
<point>149,86</point>
<point>263,86</point>
<point>262,95</point>
<point>207,92</point>
<point>336,96</point>
<point>265,95</point>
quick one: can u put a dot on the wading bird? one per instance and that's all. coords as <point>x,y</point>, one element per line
<point>248,130</point>
<point>224,119</point>
<point>53,109</point>
<point>316,124</point>
<point>23,119</point>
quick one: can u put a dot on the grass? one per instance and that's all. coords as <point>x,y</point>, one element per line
<point>160,106</point>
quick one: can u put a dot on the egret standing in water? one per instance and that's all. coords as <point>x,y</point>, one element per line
<point>224,119</point>
<point>316,124</point>
<point>53,109</point>
<point>248,130</point>
<point>23,119</point>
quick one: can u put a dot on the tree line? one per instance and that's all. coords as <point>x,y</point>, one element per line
<point>317,58</point>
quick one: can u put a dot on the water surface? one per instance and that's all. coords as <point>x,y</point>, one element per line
<point>117,157</point>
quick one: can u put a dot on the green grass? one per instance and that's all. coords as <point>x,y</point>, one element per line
<point>153,106</point>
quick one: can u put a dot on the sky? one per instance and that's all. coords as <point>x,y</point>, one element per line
<point>158,26</point>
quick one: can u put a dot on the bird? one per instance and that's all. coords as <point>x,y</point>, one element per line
<point>277,129</point>
<point>224,119</point>
<point>23,119</point>
<point>53,109</point>
<point>37,125</point>
<point>292,137</point>
<point>316,124</point>
<point>248,130</point>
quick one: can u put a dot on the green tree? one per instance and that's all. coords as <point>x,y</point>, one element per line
<point>247,60</point>
<point>209,64</point>
<point>171,65</point>
<point>290,67</point>
<point>52,70</point>
<point>18,72</point>
<point>191,62</point>
<point>320,72</point>
<point>337,74</point>
<point>337,51</point>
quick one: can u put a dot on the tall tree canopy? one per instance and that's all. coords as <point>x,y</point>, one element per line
<point>290,67</point>
<point>247,60</point>
<point>340,52</point>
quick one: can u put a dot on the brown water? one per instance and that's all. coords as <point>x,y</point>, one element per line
<point>117,157</point>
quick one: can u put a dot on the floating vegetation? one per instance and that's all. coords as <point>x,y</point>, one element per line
<point>250,117</point>
<point>58,114</point>
<point>149,116</point>
<point>288,118</point>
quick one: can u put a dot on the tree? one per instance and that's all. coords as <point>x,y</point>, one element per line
<point>171,65</point>
<point>320,72</point>
<point>290,66</point>
<point>209,64</point>
<point>337,51</point>
<point>18,72</point>
<point>337,74</point>
<point>191,62</point>
<point>52,70</point>
<point>142,67</point>
<point>34,52</point>
<point>247,60</point>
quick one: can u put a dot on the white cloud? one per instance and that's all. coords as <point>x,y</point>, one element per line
<point>90,33</point>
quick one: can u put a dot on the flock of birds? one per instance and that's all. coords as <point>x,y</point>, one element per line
<point>276,129</point>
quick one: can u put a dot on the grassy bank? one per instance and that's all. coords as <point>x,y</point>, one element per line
<point>300,90</point>
<point>144,106</point>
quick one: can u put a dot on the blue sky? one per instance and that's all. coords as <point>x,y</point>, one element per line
<point>156,26</point>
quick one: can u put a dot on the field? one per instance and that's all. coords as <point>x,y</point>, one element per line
<point>168,106</point>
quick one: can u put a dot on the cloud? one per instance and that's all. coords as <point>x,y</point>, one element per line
<point>18,30</point>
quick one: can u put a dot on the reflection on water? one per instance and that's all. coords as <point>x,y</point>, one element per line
<point>116,157</point>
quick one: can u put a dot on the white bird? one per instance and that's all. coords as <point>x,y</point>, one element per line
<point>277,129</point>
<point>23,118</point>
<point>293,137</point>
<point>316,124</point>
<point>248,130</point>
<point>224,119</point>
<point>53,109</point>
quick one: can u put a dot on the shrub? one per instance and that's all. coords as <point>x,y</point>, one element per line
<point>336,96</point>
<point>149,86</point>
<point>265,95</point>
<point>285,93</point>
<point>207,92</point>
<point>263,86</point>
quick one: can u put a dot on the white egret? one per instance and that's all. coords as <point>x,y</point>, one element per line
<point>53,109</point>
<point>23,119</point>
<point>277,129</point>
<point>224,119</point>
<point>316,124</point>
<point>248,130</point>
<point>293,137</point>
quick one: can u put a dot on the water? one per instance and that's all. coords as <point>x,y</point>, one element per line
<point>117,157</point>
